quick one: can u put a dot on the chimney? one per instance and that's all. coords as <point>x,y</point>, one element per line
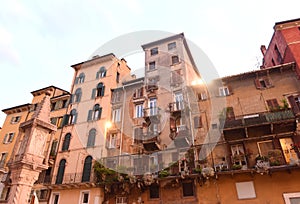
<point>263,49</point>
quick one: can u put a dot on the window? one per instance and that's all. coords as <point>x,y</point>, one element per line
<point>245,190</point>
<point>80,78</point>
<point>58,105</point>
<point>154,191</point>
<point>87,168</point>
<point>53,148</point>
<point>77,95</point>
<point>139,111</point>
<point>121,200</point>
<point>116,115</point>
<point>223,91</point>
<point>3,157</point>
<point>153,110</point>
<point>101,73</point>
<point>55,198</point>
<point>179,101</point>
<point>99,91</point>
<point>95,114</point>
<point>116,96</point>
<point>202,96</point>
<point>175,59</point>
<point>91,138</point>
<point>5,193</point>
<point>291,198</point>
<point>112,140</point>
<point>152,66</point>
<point>263,83</point>
<point>153,129</point>
<point>118,77</point>
<point>272,104</point>
<point>66,142</point>
<point>8,138</point>
<point>60,172</point>
<point>171,45</point>
<point>197,122</point>
<point>289,154</point>
<point>238,154</point>
<point>188,188</point>
<point>154,51</point>
<point>15,119</point>
<point>138,93</point>
<point>295,103</point>
<point>73,116</point>
<point>264,147</point>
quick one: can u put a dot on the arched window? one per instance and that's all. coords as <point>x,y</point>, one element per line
<point>95,113</point>
<point>66,142</point>
<point>60,172</point>
<point>98,91</point>
<point>73,116</point>
<point>80,78</point>
<point>77,96</point>
<point>87,169</point>
<point>91,138</point>
<point>101,73</point>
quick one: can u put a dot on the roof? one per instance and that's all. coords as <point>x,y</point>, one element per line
<point>287,21</point>
<point>282,66</point>
<point>96,57</point>
<point>173,37</point>
<point>18,108</point>
<point>46,88</point>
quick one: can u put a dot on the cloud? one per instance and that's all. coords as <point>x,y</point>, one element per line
<point>7,51</point>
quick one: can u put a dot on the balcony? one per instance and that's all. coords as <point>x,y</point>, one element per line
<point>176,107</point>
<point>74,180</point>
<point>181,136</point>
<point>151,142</point>
<point>152,115</point>
<point>259,119</point>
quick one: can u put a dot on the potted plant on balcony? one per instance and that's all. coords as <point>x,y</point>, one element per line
<point>163,173</point>
<point>262,163</point>
<point>275,156</point>
<point>236,167</point>
<point>104,174</point>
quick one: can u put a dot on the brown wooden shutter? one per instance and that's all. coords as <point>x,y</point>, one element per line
<point>257,83</point>
<point>293,104</point>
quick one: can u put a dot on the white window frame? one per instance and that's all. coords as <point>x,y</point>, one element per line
<point>287,197</point>
<point>139,111</point>
<point>3,160</point>
<point>245,190</point>
<point>53,194</point>
<point>112,140</point>
<point>8,138</point>
<point>153,109</point>
<point>123,199</point>
<point>203,96</point>
<point>82,197</point>
<point>224,91</point>
<point>178,97</point>
<point>116,115</point>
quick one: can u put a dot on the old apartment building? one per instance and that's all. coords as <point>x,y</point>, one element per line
<point>170,136</point>
<point>10,134</point>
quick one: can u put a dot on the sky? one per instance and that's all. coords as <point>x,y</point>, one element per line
<point>39,40</point>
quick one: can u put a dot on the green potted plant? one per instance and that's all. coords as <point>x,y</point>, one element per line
<point>236,167</point>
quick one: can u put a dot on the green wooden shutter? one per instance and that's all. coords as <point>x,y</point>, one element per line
<point>94,93</point>
<point>90,115</point>
<point>5,138</point>
<point>65,120</point>
<point>103,91</point>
